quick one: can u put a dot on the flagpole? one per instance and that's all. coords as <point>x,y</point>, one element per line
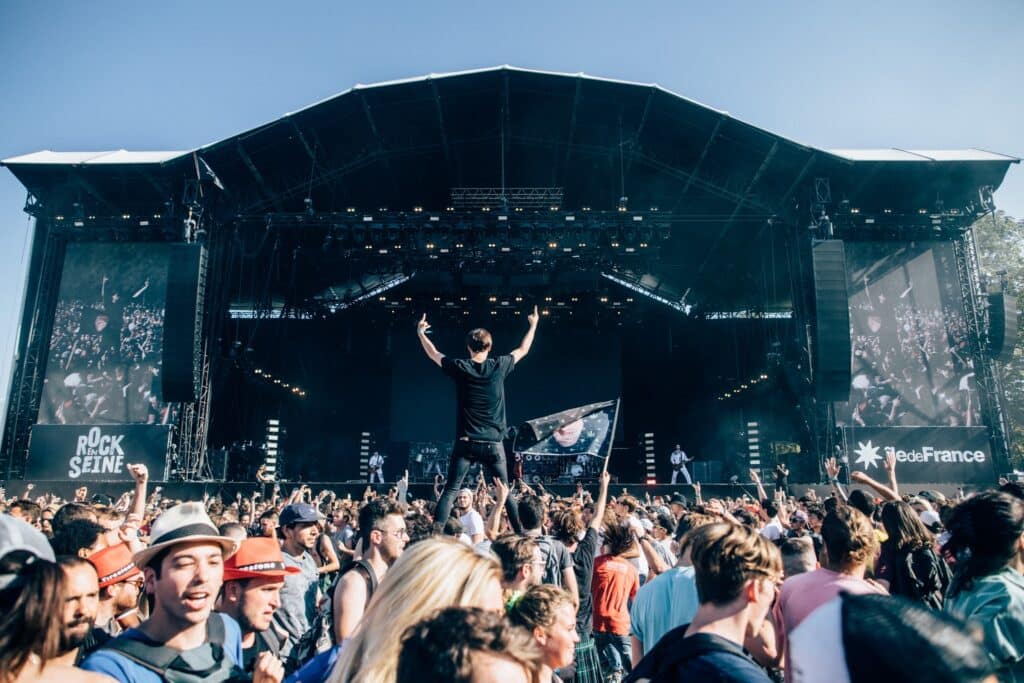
<point>611,439</point>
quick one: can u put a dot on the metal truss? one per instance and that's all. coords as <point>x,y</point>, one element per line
<point>29,370</point>
<point>510,197</point>
<point>990,391</point>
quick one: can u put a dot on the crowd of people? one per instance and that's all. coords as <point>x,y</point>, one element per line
<point>104,359</point>
<point>865,584</point>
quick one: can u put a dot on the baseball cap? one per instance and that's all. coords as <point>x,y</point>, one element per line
<point>18,536</point>
<point>257,558</point>
<point>678,499</point>
<point>298,513</point>
<point>114,564</point>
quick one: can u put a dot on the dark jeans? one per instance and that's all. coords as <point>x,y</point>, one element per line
<point>613,651</point>
<point>491,456</point>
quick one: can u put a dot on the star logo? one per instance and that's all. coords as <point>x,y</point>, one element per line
<point>867,455</point>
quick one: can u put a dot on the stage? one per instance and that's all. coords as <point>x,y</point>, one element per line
<point>756,301</point>
<point>184,491</point>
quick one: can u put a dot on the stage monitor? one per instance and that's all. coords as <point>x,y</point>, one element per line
<point>911,363</point>
<point>103,364</point>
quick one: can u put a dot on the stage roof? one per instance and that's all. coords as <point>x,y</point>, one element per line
<point>408,142</point>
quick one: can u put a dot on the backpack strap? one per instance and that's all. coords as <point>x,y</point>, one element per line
<point>370,576</point>
<point>158,658</point>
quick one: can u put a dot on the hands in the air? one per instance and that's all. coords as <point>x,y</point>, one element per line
<point>422,326</point>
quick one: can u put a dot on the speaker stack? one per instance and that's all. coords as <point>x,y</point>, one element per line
<point>831,346</point>
<point>183,323</point>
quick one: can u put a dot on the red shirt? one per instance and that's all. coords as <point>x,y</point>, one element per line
<point>615,583</point>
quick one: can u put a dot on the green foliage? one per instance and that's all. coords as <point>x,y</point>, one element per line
<point>1000,242</point>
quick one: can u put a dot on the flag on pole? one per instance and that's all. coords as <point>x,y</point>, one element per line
<point>582,431</point>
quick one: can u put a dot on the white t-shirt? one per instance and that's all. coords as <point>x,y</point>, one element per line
<point>773,530</point>
<point>472,523</point>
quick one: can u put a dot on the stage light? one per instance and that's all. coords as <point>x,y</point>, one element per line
<point>429,245</point>
<point>615,245</point>
<point>492,299</point>
<point>552,245</point>
<point>547,298</point>
<point>417,209</point>
<point>676,305</point>
<point>486,209</point>
<point>351,209</point>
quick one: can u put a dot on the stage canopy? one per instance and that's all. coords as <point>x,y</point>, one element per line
<point>598,144</point>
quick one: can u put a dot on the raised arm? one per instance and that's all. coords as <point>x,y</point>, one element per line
<point>524,346</point>
<point>601,503</point>
<point>428,346</point>
<point>880,488</point>
<point>832,469</point>
<point>756,478</point>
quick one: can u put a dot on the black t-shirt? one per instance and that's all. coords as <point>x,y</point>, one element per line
<point>583,567</point>
<point>251,654</point>
<point>479,396</point>
<point>700,657</point>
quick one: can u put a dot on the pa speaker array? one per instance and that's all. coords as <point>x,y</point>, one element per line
<point>831,347</point>
<point>183,323</point>
<point>1002,326</point>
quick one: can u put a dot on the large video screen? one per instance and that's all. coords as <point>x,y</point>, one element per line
<point>911,364</point>
<point>105,351</point>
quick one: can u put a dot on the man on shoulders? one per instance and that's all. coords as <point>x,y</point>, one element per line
<point>480,425</point>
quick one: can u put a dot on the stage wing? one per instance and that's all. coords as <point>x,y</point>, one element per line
<point>584,430</point>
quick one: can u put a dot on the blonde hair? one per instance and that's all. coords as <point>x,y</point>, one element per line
<point>433,574</point>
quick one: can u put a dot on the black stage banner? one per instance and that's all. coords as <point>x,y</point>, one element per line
<point>96,452</point>
<point>940,455</point>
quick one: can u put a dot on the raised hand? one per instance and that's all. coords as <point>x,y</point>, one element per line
<point>422,326</point>
<point>500,489</point>
<point>754,476</point>
<point>859,477</point>
<point>832,468</point>
<point>890,462</point>
<point>532,318</point>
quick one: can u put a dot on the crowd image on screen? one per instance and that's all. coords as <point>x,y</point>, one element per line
<point>910,364</point>
<point>871,583</point>
<point>105,355</point>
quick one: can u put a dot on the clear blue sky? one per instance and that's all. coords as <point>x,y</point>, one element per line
<point>147,76</point>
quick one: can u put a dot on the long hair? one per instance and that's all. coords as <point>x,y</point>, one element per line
<point>31,613</point>
<point>905,529</point>
<point>433,574</point>
<point>984,531</point>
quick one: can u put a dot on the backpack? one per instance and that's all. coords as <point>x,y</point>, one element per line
<point>208,662</point>
<point>320,636</point>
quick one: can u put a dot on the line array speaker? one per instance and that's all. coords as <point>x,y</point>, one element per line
<point>1002,326</point>
<point>183,323</point>
<point>831,349</point>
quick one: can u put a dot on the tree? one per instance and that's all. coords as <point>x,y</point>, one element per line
<point>1000,243</point>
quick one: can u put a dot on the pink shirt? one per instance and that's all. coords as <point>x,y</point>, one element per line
<point>804,593</point>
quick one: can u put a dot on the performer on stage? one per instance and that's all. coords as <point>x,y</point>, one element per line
<point>781,475</point>
<point>479,411</point>
<point>679,460</point>
<point>376,465</point>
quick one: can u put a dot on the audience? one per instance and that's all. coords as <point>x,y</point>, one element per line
<point>594,590</point>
